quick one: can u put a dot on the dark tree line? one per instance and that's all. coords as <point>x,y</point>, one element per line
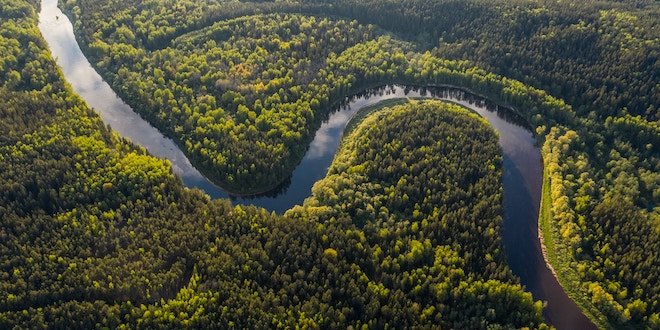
<point>243,95</point>
<point>96,233</point>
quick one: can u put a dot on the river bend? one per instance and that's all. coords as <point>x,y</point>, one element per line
<point>522,163</point>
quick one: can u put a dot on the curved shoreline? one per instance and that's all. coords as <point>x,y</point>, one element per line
<point>195,178</point>
<point>370,110</point>
<point>547,240</point>
<point>338,103</point>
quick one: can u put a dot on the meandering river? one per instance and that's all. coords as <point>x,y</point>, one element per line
<point>523,168</point>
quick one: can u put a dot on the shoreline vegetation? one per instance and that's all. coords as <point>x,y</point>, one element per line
<point>468,79</point>
<point>96,232</point>
<point>93,225</point>
<point>557,262</point>
<point>336,98</point>
<point>546,233</point>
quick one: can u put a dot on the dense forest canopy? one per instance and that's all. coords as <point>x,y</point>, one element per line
<point>224,90</point>
<point>599,55</point>
<point>95,233</point>
<point>405,228</point>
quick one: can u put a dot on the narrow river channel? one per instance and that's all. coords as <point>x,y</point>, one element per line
<point>523,168</point>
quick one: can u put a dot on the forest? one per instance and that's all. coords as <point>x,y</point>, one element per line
<point>97,233</point>
<point>405,228</point>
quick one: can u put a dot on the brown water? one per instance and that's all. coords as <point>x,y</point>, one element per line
<point>522,179</point>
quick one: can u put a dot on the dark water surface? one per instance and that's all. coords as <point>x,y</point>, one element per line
<point>523,168</point>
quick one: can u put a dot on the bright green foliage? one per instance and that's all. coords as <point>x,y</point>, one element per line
<point>77,202</point>
<point>95,233</point>
<point>606,245</point>
<point>421,170</point>
<point>423,182</point>
<point>598,55</point>
<point>242,96</point>
<point>243,85</point>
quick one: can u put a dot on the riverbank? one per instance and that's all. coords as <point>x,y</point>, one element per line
<point>518,143</point>
<point>547,244</point>
<point>558,259</point>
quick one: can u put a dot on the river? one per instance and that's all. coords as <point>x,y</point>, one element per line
<point>523,168</point>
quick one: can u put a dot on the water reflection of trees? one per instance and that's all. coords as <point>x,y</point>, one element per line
<point>281,189</point>
<point>437,92</point>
